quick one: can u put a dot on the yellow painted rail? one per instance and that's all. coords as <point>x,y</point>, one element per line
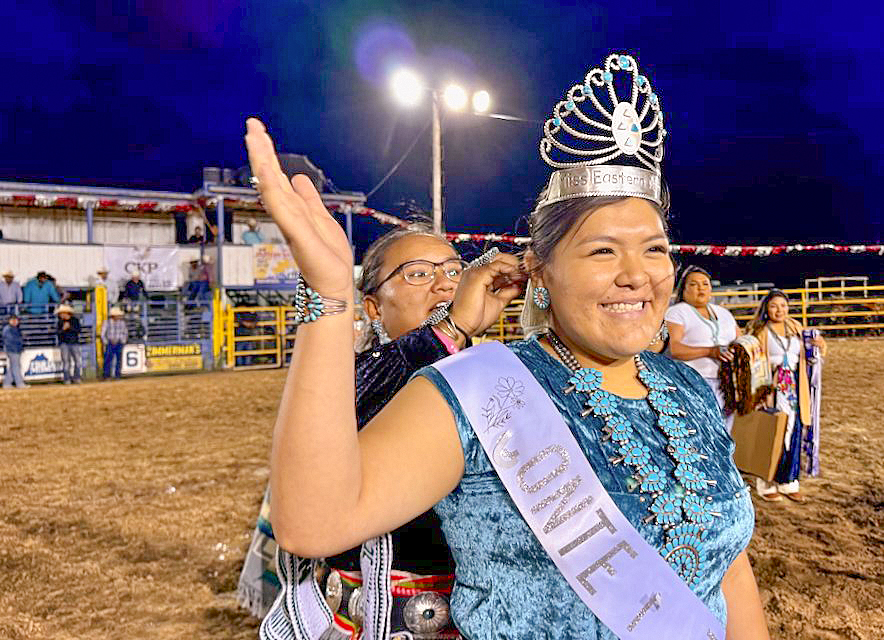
<point>263,337</point>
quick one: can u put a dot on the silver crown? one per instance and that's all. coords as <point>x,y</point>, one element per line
<point>617,144</point>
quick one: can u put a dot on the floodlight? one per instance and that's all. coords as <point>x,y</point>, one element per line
<point>455,97</point>
<point>481,101</point>
<point>408,89</point>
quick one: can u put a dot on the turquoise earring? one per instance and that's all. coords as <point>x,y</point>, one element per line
<point>541,298</point>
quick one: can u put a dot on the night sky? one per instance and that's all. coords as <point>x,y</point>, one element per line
<point>774,110</point>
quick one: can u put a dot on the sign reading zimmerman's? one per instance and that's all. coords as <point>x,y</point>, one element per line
<point>174,357</point>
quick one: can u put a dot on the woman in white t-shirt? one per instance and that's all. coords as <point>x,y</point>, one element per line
<point>700,332</point>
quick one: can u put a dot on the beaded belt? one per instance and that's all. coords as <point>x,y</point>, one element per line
<point>420,604</point>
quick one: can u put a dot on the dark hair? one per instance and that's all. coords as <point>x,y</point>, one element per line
<point>373,262</point>
<point>762,317</point>
<point>683,281</point>
<point>550,223</point>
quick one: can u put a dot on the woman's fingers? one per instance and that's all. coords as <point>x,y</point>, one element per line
<point>317,241</point>
<point>304,187</point>
<point>280,200</point>
<point>287,205</point>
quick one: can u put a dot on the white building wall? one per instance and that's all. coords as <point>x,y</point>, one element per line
<point>72,265</point>
<point>68,226</point>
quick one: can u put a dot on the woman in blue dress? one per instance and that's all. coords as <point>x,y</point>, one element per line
<point>601,282</point>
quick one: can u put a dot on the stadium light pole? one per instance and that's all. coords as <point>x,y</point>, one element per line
<point>408,89</point>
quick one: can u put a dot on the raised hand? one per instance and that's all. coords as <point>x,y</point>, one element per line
<point>485,291</point>
<point>318,243</point>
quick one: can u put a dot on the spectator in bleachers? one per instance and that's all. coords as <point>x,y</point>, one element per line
<point>199,279</point>
<point>252,236</point>
<point>113,289</point>
<point>197,237</point>
<point>114,334</point>
<point>39,291</point>
<point>68,332</point>
<point>64,296</point>
<point>10,291</point>
<point>133,292</point>
<point>13,346</point>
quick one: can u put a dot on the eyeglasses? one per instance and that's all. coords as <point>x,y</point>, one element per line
<point>418,272</point>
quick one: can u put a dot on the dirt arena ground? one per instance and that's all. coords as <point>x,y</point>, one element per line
<point>125,508</point>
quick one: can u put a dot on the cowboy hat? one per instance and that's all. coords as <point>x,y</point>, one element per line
<point>116,312</point>
<point>64,308</point>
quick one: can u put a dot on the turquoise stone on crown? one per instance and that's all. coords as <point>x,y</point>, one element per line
<point>569,105</point>
<point>587,89</point>
<point>557,121</point>
<point>641,81</point>
<point>653,98</point>
<point>624,62</point>
<point>608,76</point>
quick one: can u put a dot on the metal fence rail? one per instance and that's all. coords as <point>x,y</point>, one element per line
<point>263,337</point>
<point>164,318</point>
<point>38,329</point>
<point>838,311</point>
<point>253,337</point>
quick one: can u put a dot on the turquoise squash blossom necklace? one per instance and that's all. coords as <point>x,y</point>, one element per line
<point>676,506</point>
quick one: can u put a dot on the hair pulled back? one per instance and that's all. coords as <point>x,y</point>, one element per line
<point>373,263</point>
<point>552,222</point>
<point>683,281</point>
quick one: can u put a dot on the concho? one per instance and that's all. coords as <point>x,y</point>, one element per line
<point>334,591</point>
<point>355,607</point>
<point>426,612</point>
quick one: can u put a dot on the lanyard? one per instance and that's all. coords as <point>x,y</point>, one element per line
<point>711,322</point>
<point>784,347</point>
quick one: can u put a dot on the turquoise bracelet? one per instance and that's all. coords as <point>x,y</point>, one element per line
<point>310,305</point>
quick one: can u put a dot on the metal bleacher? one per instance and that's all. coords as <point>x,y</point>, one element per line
<point>166,318</point>
<point>38,329</point>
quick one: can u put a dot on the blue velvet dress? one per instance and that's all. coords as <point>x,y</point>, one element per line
<point>507,586</point>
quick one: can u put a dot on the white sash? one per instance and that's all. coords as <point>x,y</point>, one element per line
<point>621,578</point>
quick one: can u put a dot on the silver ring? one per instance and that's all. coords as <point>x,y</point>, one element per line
<point>254,181</point>
<point>485,258</point>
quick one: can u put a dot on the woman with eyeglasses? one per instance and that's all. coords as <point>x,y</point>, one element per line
<point>384,587</point>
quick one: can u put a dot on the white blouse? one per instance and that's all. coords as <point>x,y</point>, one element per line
<point>720,330</point>
<point>783,351</point>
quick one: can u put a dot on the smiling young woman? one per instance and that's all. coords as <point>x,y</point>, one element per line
<point>513,444</point>
<point>782,340</point>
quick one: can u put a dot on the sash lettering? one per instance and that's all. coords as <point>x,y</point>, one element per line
<point>621,578</point>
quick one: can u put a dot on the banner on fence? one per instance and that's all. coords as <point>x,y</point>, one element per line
<point>166,358</point>
<point>37,364</point>
<point>274,265</point>
<point>159,266</point>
